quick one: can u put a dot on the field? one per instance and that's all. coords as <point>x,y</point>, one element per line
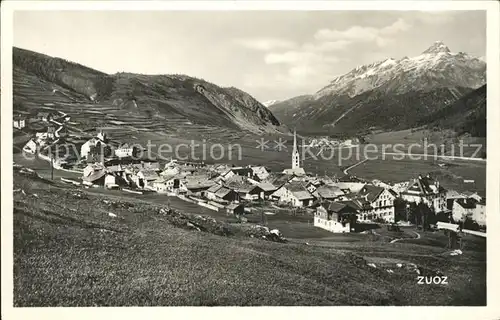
<point>68,251</point>
<point>450,177</point>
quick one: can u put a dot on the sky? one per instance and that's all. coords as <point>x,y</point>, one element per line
<point>269,54</point>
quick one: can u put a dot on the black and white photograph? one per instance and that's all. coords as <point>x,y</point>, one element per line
<point>234,157</point>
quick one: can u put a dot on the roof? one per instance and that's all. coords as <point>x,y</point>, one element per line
<point>425,185</point>
<point>328,192</point>
<point>222,192</point>
<point>469,203</point>
<point>149,174</point>
<point>266,186</point>
<point>279,179</point>
<point>96,175</point>
<point>338,207</point>
<point>298,189</point>
<point>214,188</point>
<point>357,204</point>
<point>239,185</point>
<point>233,206</point>
<point>370,192</point>
<point>296,171</point>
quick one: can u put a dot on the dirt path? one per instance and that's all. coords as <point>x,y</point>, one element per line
<point>400,239</point>
<point>354,165</point>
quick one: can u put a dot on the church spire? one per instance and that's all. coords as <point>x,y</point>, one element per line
<point>295,152</point>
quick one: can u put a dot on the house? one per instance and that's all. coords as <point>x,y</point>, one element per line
<point>198,184</point>
<point>91,148</point>
<point>245,189</point>
<point>373,203</point>
<point>479,214</point>
<point>210,193</point>
<point>31,147</point>
<point>473,195</point>
<point>299,172</point>
<point>294,194</point>
<point>259,173</point>
<point>328,192</point>
<point>94,174</point>
<point>45,116</point>
<point>226,194</point>
<point>19,122</point>
<point>426,190</point>
<point>173,184</point>
<point>335,217</point>
<point>51,131</point>
<point>267,188</point>
<point>110,181</point>
<point>145,178</point>
<point>125,151</point>
<point>362,207</point>
<point>312,185</point>
<point>236,209</point>
<point>349,186</point>
<point>470,208</point>
<point>279,179</point>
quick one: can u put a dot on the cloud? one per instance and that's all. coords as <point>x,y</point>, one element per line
<point>381,36</point>
<point>265,44</point>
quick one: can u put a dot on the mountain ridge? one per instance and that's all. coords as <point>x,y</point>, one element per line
<point>403,91</point>
<point>197,100</point>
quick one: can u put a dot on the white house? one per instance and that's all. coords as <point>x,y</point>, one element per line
<point>30,146</point>
<point>469,208</point>
<point>294,194</point>
<point>110,181</point>
<point>426,190</point>
<point>335,217</point>
<point>91,144</point>
<point>144,178</point>
<point>19,122</point>
<point>124,151</point>
<point>173,184</point>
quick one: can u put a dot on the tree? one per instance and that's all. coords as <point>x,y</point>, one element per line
<point>400,210</point>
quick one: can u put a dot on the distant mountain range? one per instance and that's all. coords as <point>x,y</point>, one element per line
<point>170,96</point>
<point>270,103</point>
<point>388,95</point>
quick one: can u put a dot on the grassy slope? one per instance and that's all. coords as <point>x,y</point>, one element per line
<point>69,252</point>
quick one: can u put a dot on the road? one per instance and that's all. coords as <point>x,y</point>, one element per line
<point>430,156</point>
<point>354,165</point>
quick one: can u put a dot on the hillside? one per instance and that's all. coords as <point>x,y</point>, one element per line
<point>467,115</point>
<point>389,94</point>
<point>68,251</point>
<point>153,96</point>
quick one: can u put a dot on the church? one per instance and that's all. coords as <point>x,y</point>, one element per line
<point>296,168</point>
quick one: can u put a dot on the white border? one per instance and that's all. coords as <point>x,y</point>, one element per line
<point>493,173</point>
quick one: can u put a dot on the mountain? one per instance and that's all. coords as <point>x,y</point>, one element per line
<point>467,115</point>
<point>270,103</point>
<point>387,94</point>
<point>189,99</point>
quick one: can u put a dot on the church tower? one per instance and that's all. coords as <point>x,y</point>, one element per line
<point>295,153</point>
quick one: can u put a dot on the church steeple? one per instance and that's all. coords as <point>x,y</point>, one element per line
<point>295,152</point>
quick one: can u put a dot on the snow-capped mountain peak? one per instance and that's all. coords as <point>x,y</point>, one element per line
<point>269,103</point>
<point>437,47</point>
<point>435,67</point>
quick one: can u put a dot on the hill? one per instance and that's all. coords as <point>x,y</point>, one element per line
<point>388,95</point>
<point>467,115</point>
<point>68,251</point>
<point>164,97</point>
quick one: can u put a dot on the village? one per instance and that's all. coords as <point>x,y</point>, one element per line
<point>339,205</point>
